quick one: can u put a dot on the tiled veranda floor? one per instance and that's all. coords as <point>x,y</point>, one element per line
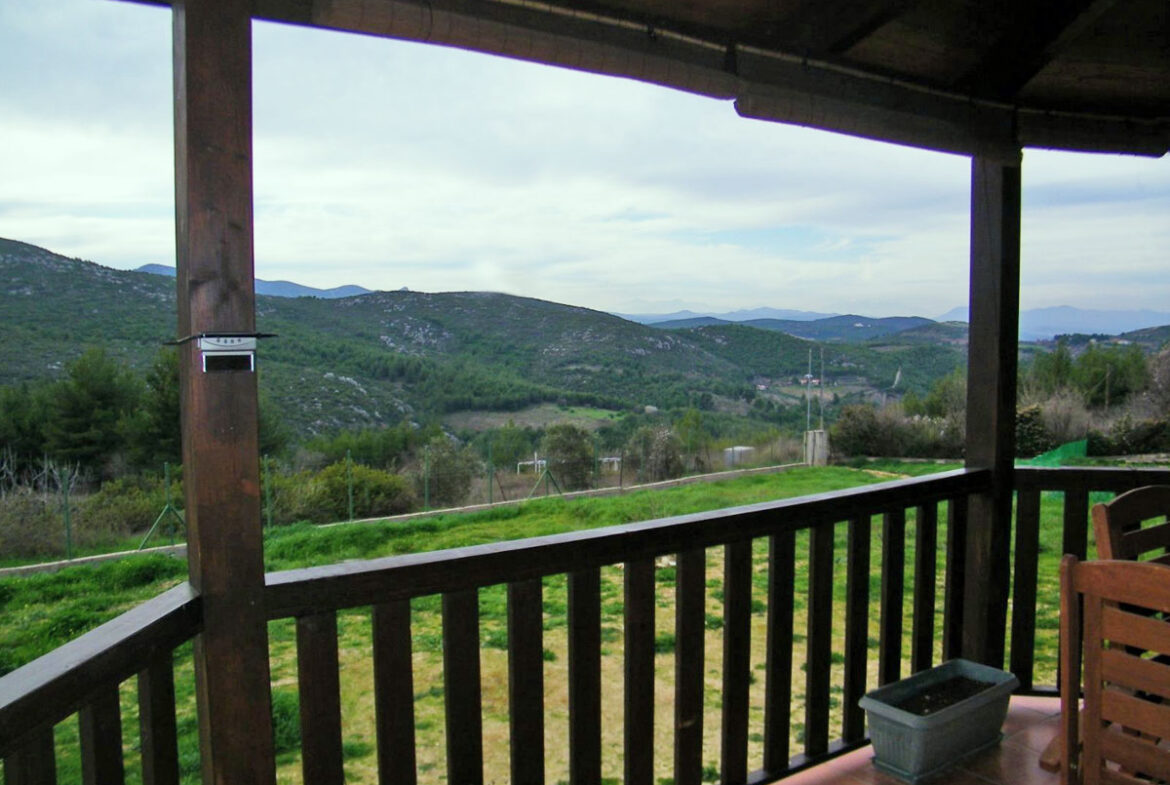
<point>1030,724</point>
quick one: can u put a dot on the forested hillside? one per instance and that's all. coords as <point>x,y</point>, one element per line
<point>379,358</point>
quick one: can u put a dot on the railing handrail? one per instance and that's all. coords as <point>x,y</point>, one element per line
<point>42,692</point>
<point>1092,478</point>
<point>336,586</point>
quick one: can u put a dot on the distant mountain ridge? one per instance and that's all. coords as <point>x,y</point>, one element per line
<point>1042,324</point>
<point>740,316</point>
<point>275,288</point>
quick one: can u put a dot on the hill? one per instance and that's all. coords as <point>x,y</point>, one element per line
<point>1043,324</point>
<point>381,357</point>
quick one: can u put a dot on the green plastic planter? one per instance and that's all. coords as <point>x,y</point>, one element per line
<point>914,747</point>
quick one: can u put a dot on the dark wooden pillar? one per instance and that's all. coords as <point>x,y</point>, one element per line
<point>991,400</point>
<point>221,472</point>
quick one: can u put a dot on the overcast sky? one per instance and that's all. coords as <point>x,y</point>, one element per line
<point>390,164</point>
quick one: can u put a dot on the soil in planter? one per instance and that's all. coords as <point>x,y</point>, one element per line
<point>939,696</point>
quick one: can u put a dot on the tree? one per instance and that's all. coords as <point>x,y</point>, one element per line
<point>447,471</point>
<point>1106,376</point>
<point>88,409</point>
<point>569,452</point>
<point>656,453</point>
<point>156,429</point>
<point>694,438</point>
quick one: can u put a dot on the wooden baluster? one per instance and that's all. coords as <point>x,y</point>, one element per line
<point>585,677</point>
<point>856,628</point>
<point>462,688</point>
<point>156,720</point>
<point>925,569</point>
<point>320,699</point>
<point>893,574</point>
<point>639,672</point>
<point>100,726</point>
<point>1076,522</point>
<point>34,762</point>
<point>956,572</point>
<point>820,640</point>
<point>778,688</point>
<point>1024,586</point>
<point>394,693</point>
<point>737,627</point>
<point>689,634</point>
<point>526,681</point>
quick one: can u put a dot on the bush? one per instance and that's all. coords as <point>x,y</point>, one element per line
<point>655,454</point>
<point>862,430</point>
<point>1127,437</point>
<point>375,492</point>
<point>30,525</point>
<point>1031,436</point>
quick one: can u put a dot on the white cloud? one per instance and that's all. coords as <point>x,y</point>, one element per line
<point>391,164</point>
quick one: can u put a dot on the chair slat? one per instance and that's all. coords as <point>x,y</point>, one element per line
<point>820,640</point>
<point>100,723</point>
<point>778,688</point>
<point>1132,629</point>
<point>526,681</point>
<point>639,672</point>
<point>737,627</point>
<point>1136,754</point>
<point>320,698</point>
<point>856,628</point>
<point>1142,541</point>
<point>462,687</point>
<point>1134,713</point>
<point>1119,667</point>
<point>689,634</point>
<point>585,677</point>
<point>156,720</point>
<point>394,693</point>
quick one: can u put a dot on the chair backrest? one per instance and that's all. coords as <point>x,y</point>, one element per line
<point>1121,611</point>
<point>1118,525</point>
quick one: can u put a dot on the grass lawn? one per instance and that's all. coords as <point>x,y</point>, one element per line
<point>41,612</point>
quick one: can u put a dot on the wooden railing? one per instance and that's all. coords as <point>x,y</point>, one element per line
<point>313,596</point>
<point>1075,487</point>
<point>83,676</point>
<point>835,539</point>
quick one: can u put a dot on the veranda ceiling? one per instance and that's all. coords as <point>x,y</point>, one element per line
<point>967,76</point>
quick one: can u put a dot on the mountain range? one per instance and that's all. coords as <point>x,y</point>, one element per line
<point>384,356</point>
<point>274,288</point>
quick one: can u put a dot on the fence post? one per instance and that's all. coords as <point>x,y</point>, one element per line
<point>65,482</point>
<point>349,481</point>
<point>427,477</point>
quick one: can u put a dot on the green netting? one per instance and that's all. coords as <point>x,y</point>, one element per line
<point>1057,457</point>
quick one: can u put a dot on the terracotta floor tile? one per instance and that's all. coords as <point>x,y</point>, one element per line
<point>1037,735</point>
<point>1011,764</point>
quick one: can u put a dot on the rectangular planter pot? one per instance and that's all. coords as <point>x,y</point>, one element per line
<point>913,747</point>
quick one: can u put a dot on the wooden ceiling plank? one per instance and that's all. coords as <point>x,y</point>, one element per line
<point>824,28</point>
<point>1041,33</point>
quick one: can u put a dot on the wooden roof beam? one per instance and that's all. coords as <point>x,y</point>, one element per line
<point>1030,44</point>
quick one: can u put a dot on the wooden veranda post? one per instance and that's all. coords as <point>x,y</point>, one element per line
<point>991,400</point>
<point>221,467</point>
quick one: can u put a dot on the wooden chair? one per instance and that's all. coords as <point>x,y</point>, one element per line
<point>1117,525</point>
<point>1123,622</point>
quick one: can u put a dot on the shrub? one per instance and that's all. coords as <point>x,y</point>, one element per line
<point>655,453</point>
<point>375,492</point>
<point>30,524</point>
<point>1031,435</point>
<point>1127,437</point>
<point>569,452</point>
<point>888,432</point>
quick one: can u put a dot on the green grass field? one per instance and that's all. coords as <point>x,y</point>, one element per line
<point>41,612</point>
